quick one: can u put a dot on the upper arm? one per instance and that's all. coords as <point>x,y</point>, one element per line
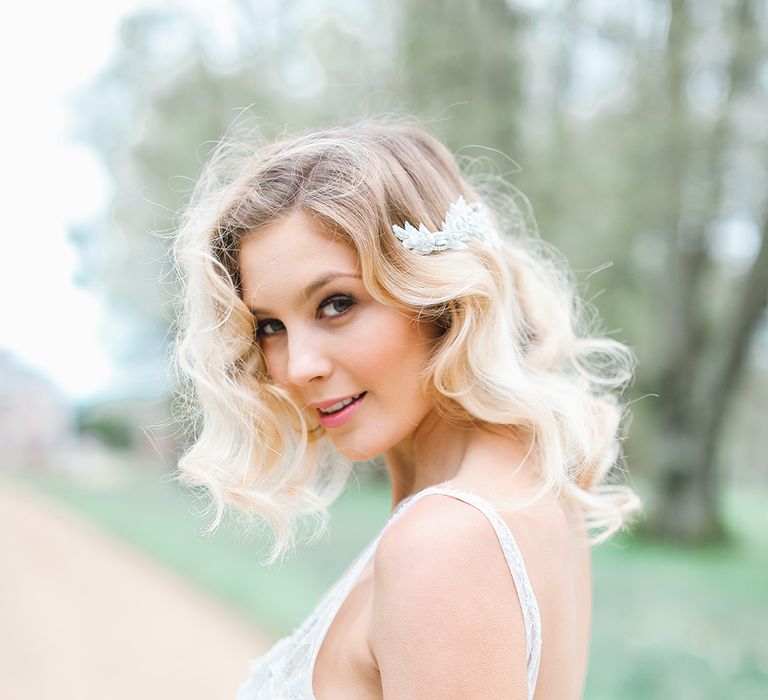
<point>446,619</point>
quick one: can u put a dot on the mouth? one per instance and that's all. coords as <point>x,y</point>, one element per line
<point>338,413</point>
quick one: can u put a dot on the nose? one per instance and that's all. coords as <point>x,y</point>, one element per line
<point>308,359</point>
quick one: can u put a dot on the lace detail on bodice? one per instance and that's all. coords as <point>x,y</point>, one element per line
<point>285,671</point>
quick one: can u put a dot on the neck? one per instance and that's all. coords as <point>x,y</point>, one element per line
<point>433,453</point>
<point>469,456</point>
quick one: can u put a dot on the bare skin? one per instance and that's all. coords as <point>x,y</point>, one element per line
<point>435,614</point>
<point>392,637</point>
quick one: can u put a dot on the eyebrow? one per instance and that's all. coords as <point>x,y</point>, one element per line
<point>310,289</point>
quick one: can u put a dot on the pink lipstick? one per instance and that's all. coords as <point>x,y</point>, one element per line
<point>338,418</point>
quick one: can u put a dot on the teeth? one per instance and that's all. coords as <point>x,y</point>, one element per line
<point>338,406</point>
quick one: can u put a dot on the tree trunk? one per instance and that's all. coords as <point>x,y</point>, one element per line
<point>686,510</point>
<point>702,364</point>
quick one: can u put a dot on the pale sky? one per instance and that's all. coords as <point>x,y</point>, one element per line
<point>47,50</point>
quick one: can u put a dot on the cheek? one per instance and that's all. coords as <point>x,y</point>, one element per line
<point>398,359</point>
<point>274,362</point>
<point>375,361</point>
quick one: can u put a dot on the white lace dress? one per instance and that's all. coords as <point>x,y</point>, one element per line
<point>285,671</point>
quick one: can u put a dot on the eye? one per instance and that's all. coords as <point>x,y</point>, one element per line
<point>336,305</point>
<point>268,327</point>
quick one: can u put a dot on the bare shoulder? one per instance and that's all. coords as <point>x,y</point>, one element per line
<point>438,531</point>
<point>446,619</point>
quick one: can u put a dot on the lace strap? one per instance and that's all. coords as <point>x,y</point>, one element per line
<point>528,602</point>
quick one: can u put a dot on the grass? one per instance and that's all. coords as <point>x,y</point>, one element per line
<point>668,622</point>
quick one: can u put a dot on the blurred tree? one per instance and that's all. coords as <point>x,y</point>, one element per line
<point>704,326</point>
<point>112,429</point>
<point>465,57</point>
<point>114,119</point>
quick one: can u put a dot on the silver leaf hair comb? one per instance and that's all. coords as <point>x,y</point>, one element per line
<point>462,222</point>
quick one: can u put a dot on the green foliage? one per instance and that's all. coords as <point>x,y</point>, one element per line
<point>112,429</point>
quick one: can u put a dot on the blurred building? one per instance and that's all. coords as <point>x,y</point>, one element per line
<point>35,420</point>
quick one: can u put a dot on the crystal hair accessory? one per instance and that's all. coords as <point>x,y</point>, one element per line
<point>462,222</point>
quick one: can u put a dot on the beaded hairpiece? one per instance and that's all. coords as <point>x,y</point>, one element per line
<point>462,222</point>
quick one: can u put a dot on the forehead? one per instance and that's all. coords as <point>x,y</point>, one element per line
<point>292,252</point>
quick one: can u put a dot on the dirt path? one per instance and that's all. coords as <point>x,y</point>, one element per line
<point>83,617</point>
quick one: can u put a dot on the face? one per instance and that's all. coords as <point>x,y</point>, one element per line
<point>352,362</point>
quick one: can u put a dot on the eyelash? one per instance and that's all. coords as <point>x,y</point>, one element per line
<point>346,298</point>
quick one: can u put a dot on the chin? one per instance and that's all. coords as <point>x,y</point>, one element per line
<point>360,450</point>
<point>357,454</point>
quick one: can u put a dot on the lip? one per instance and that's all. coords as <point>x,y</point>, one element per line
<point>340,417</point>
<point>326,404</point>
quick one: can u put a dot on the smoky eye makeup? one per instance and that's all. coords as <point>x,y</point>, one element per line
<point>338,303</point>
<point>332,306</point>
<point>266,328</point>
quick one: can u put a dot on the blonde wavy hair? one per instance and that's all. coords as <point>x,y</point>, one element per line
<point>518,347</point>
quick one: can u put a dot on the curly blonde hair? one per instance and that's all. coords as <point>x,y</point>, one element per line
<point>517,348</point>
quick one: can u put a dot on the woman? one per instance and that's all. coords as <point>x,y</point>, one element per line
<point>348,295</point>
